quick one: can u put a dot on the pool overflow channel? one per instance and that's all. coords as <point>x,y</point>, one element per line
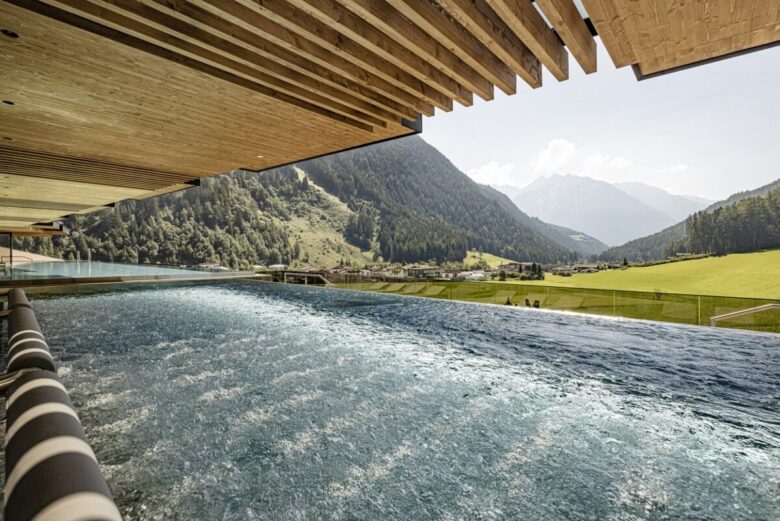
<point>51,472</point>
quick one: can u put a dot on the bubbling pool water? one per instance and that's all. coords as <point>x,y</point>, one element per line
<point>261,401</point>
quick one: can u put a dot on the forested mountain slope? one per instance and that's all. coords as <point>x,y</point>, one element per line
<point>424,207</point>
<point>671,240</point>
<point>401,201</point>
<point>238,219</point>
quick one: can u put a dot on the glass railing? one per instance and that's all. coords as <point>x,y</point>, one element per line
<point>664,307</point>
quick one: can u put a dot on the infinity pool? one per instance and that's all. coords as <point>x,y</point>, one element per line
<point>82,269</point>
<point>263,401</point>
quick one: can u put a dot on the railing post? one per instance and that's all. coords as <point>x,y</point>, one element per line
<point>698,311</point>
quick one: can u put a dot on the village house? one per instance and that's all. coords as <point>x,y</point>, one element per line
<point>516,267</point>
<point>510,267</point>
<point>563,271</point>
<point>588,268</point>
<point>473,275</point>
<point>393,272</point>
<point>424,272</point>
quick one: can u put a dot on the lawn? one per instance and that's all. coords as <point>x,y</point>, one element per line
<point>473,257</point>
<point>754,275</point>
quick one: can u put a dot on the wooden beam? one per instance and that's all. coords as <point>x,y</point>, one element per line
<point>62,191</point>
<point>490,29</point>
<point>254,22</point>
<point>124,16</point>
<point>29,215</point>
<point>443,28</point>
<point>526,22</point>
<point>609,23</point>
<point>22,162</point>
<point>380,15</point>
<point>269,50</point>
<point>567,21</point>
<point>331,13</point>
<point>232,53</point>
<point>81,22</point>
<point>284,14</point>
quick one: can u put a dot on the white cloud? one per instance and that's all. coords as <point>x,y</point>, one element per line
<point>556,156</point>
<point>672,170</point>
<point>494,173</point>
<point>605,167</point>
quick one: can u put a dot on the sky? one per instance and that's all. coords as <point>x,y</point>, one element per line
<point>709,131</point>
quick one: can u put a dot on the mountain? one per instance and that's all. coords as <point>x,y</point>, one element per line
<point>578,242</point>
<point>425,207</point>
<point>238,219</point>
<point>677,207</point>
<point>656,246</point>
<point>401,200</point>
<point>597,208</point>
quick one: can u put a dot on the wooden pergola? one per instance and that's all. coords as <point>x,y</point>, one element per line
<point>105,100</point>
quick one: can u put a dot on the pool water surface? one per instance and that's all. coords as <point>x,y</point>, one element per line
<point>265,401</point>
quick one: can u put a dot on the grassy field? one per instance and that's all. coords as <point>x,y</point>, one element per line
<point>665,307</point>
<point>318,229</point>
<point>474,257</point>
<point>754,275</point>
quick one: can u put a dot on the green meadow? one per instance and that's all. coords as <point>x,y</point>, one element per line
<point>474,257</point>
<point>686,292</point>
<point>754,275</point>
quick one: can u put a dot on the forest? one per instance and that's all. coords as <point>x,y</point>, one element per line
<point>231,220</point>
<point>750,224</point>
<point>424,208</point>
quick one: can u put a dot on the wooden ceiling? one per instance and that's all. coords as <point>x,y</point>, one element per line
<point>658,36</point>
<point>105,100</point>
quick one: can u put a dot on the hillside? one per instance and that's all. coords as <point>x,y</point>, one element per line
<point>595,207</point>
<point>424,207</point>
<point>474,259</point>
<point>581,243</point>
<point>739,275</point>
<point>399,201</point>
<point>238,219</point>
<point>656,246</point>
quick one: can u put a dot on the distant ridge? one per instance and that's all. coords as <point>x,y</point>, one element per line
<point>579,242</point>
<point>654,246</point>
<point>677,207</point>
<point>598,208</point>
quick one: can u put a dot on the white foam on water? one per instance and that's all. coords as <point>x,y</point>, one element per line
<point>105,399</point>
<point>188,379</point>
<point>133,419</point>
<point>222,394</point>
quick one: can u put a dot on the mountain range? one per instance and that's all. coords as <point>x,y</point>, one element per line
<point>655,246</point>
<point>612,213</point>
<point>399,201</point>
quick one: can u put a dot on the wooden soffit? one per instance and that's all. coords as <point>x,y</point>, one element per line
<point>657,36</point>
<point>105,100</point>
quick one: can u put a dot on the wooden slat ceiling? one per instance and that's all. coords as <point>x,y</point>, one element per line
<point>116,99</point>
<point>658,36</point>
